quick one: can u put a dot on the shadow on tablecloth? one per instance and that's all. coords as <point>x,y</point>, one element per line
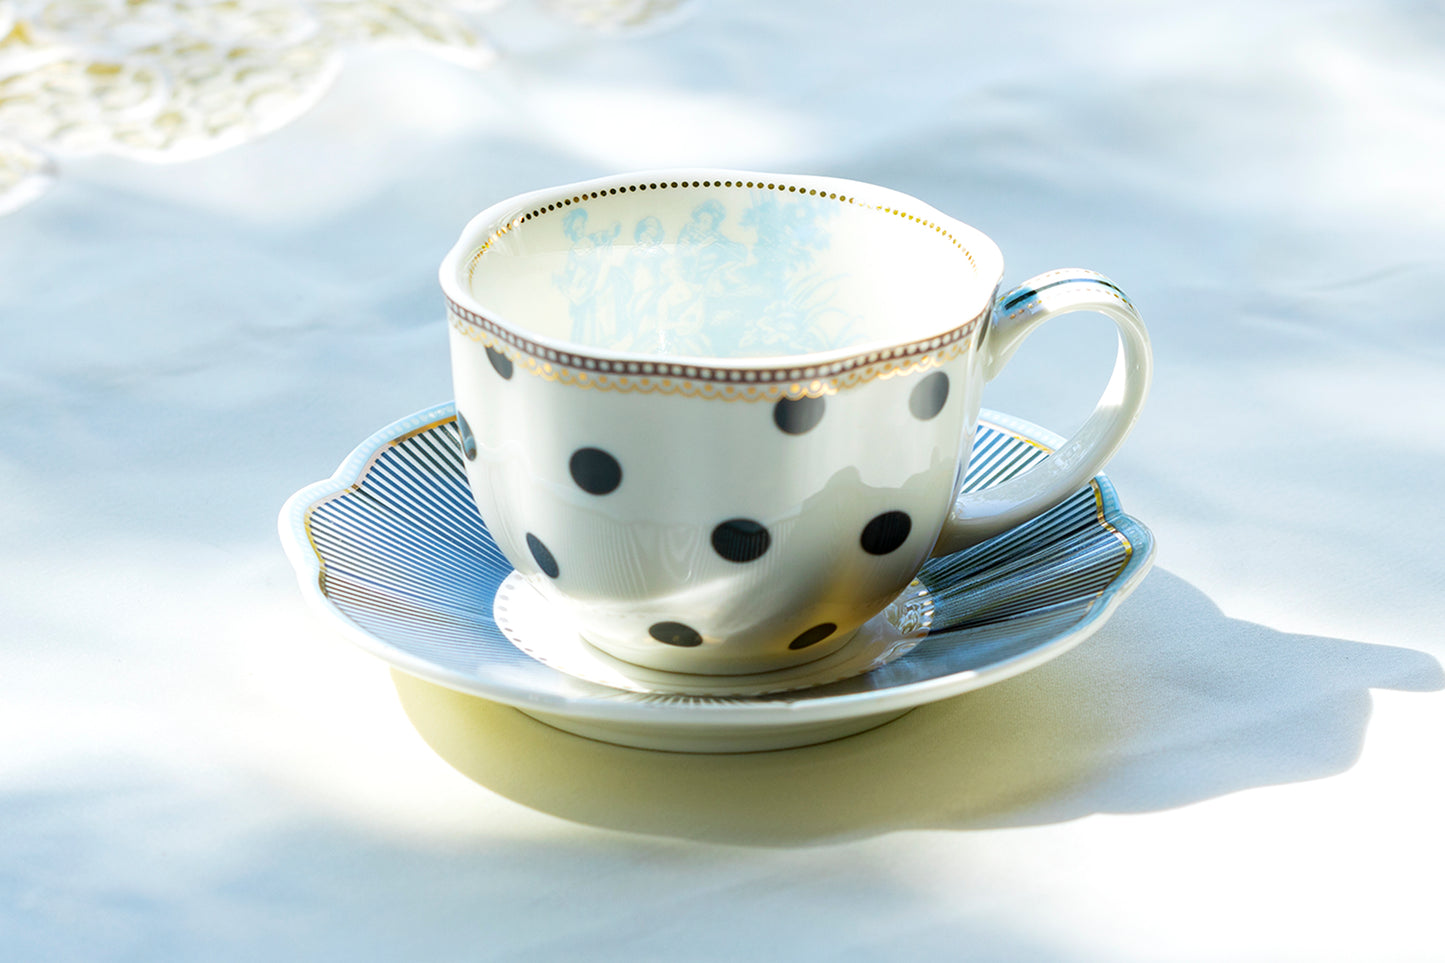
<point>1169,704</point>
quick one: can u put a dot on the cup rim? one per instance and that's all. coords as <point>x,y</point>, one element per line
<point>976,246</point>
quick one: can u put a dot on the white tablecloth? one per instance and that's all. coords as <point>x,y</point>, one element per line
<point>1245,763</point>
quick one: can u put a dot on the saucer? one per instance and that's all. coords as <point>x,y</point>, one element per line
<point>391,550</point>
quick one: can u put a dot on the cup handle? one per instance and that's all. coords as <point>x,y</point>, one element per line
<point>977,516</point>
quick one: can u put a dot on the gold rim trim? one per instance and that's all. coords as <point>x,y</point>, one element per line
<point>707,381</point>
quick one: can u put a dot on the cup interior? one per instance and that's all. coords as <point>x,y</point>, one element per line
<point>730,266</point>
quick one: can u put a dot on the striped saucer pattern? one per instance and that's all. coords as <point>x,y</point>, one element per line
<point>398,551</point>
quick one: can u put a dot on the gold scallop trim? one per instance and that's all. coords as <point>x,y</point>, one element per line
<point>728,384</point>
<point>1104,521</point>
<point>354,487</point>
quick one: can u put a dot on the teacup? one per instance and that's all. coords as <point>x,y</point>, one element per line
<point>723,417</point>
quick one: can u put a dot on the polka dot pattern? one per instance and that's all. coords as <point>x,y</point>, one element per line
<point>797,416</point>
<point>886,533</point>
<point>500,362</point>
<point>929,396</point>
<point>740,540</point>
<point>542,556</point>
<point>595,471</point>
<point>813,636</point>
<point>675,633</point>
<point>469,441</point>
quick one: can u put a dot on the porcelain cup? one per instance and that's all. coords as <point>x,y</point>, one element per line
<point>722,418</point>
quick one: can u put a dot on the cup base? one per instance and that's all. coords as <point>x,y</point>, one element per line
<point>545,632</point>
<point>745,670</point>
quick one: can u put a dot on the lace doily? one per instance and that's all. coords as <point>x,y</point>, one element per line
<point>170,80</point>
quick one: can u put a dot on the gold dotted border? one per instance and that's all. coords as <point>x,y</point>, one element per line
<point>697,381</point>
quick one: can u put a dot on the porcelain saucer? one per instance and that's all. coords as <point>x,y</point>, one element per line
<point>391,550</point>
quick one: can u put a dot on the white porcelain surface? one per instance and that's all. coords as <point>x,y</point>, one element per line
<point>722,417</point>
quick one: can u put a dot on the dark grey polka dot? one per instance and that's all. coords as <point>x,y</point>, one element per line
<point>501,362</point>
<point>595,471</point>
<point>675,633</point>
<point>929,396</point>
<point>469,441</point>
<point>798,415</point>
<point>542,556</point>
<point>740,540</point>
<point>886,532</point>
<point>813,636</point>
